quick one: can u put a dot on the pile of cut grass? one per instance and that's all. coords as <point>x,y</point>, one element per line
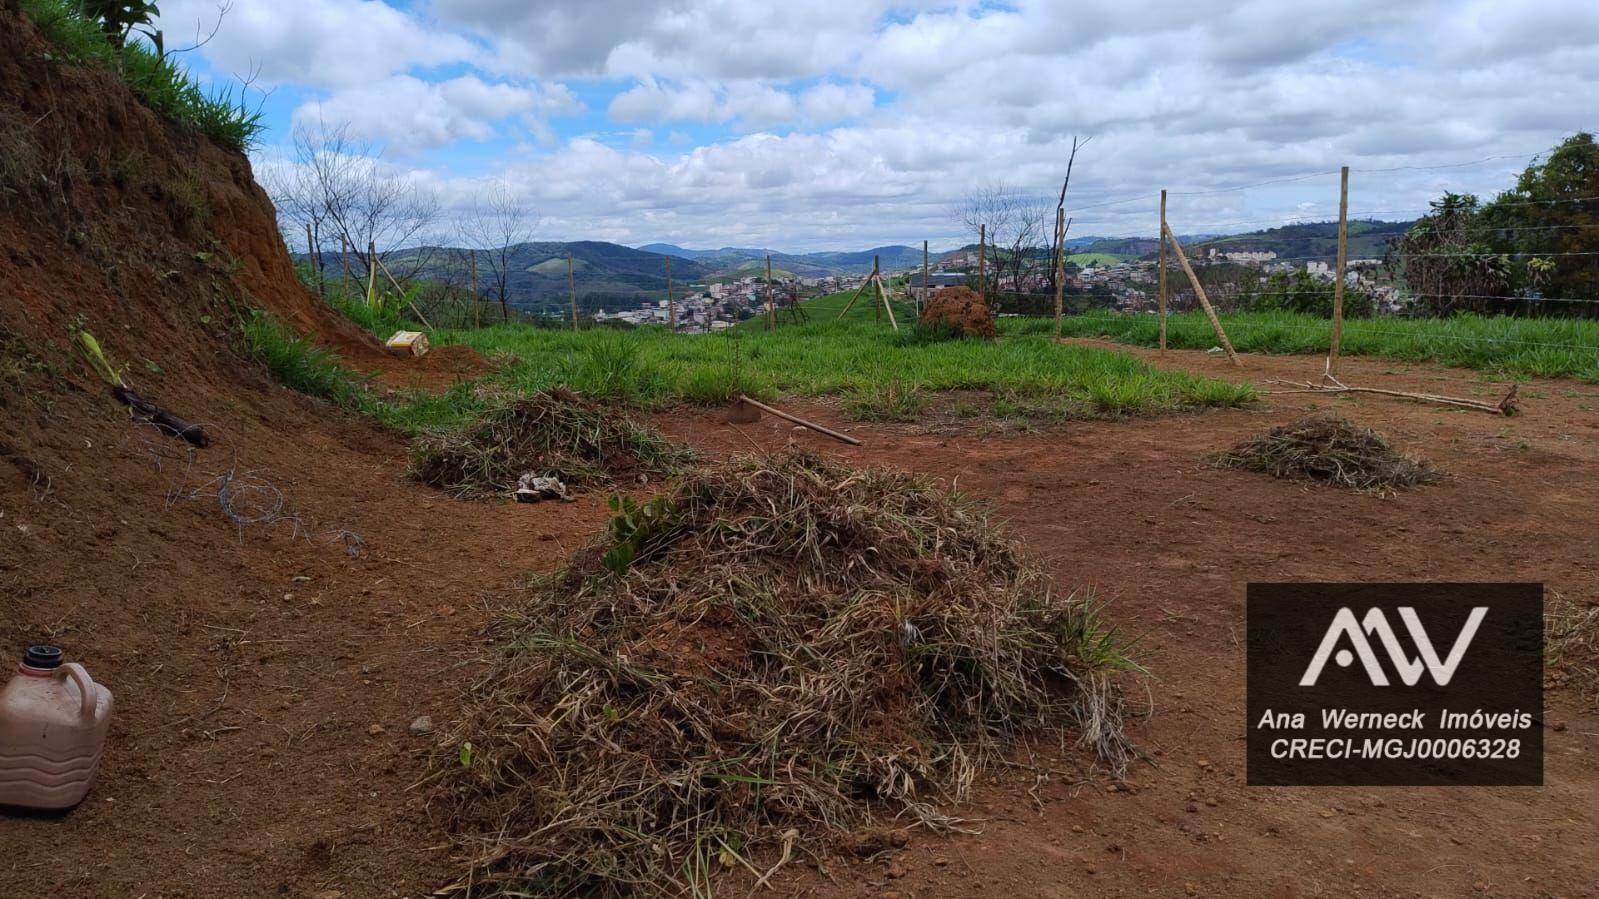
<point>1329,450</point>
<point>553,433</point>
<point>768,655</point>
<point>1571,646</point>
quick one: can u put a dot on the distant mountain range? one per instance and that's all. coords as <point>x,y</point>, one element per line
<point>612,276</point>
<point>606,275</point>
<point>805,265</point>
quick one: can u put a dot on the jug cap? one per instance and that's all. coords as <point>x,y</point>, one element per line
<point>42,658</point>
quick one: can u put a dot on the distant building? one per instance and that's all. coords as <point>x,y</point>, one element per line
<point>939,279</point>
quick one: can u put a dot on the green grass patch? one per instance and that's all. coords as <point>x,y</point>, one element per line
<point>1520,347</point>
<point>851,359</point>
<point>1087,259</point>
<point>161,83</point>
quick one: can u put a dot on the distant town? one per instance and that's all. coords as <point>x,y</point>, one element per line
<point>1120,285</point>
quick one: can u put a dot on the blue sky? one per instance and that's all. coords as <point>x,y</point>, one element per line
<point>842,125</point>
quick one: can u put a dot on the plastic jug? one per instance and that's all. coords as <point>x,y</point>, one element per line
<point>53,723</point>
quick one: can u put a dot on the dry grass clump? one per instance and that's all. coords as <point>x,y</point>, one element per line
<point>553,433</point>
<point>755,663</point>
<point>1571,645</point>
<point>1330,450</point>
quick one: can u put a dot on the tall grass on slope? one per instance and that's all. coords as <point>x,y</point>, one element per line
<point>1537,347</point>
<point>773,653</point>
<point>158,81</point>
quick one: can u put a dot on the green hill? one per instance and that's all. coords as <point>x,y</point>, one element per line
<point>607,275</point>
<point>1312,240</point>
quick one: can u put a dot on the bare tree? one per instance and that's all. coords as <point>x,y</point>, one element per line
<point>1018,227</point>
<point>341,186</point>
<point>497,224</point>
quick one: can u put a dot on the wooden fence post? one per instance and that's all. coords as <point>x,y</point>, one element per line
<point>671,307</point>
<point>571,287</point>
<point>1060,268</point>
<point>372,275</point>
<point>1203,300</point>
<point>982,279</point>
<point>477,302</point>
<point>310,252</point>
<point>771,311</point>
<point>877,310</point>
<point>344,260</point>
<point>1163,270</point>
<point>921,298</point>
<point>1338,285</point>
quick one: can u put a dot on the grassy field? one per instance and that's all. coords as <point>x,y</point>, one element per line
<point>1087,259</point>
<point>877,373</point>
<point>1542,347</point>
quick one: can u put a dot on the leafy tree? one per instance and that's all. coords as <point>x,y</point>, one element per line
<point>1529,242</point>
<point>1299,292</point>
<point>1553,209</point>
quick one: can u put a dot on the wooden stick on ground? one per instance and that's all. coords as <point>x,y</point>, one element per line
<point>1200,292</point>
<point>800,421</point>
<point>1506,406</point>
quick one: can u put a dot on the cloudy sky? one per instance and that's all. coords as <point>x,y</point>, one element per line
<point>843,124</point>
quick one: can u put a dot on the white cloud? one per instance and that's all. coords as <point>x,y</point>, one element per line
<point>750,105</point>
<point>408,114</point>
<point>320,43</point>
<point>886,110</point>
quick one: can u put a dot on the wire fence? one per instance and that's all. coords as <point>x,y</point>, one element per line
<point>1520,329</point>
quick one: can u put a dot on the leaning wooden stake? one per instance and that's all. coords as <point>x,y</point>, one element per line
<point>1163,271</point>
<point>883,293</point>
<point>800,421</point>
<point>1203,300</point>
<point>401,291</point>
<point>571,287</point>
<point>864,284</point>
<point>1338,285</point>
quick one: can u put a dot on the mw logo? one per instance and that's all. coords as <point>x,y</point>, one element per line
<point>1346,627</point>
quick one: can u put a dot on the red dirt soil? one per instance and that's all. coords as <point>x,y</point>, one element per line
<point>266,673</point>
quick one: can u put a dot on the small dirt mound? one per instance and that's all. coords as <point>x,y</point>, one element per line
<point>772,651</point>
<point>1330,450</point>
<point>961,310</point>
<point>553,433</point>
